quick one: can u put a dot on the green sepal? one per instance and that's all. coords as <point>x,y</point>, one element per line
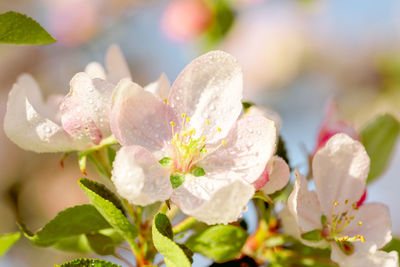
<point>166,161</point>
<point>323,220</point>
<point>198,171</point>
<point>314,235</point>
<point>177,179</point>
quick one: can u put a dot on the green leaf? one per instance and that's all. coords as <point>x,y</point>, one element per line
<point>166,161</point>
<point>16,28</point>
<point>379,138</point>
<point>109,210</point>
<point>73,221</point>
<point>7,241</point>
<point>197,171</point>
<point>177,179</point>
<point>77,243</point>
<point>101,244</point>
<point>175,255</point>
<point>220,242</point>
<point>85,262</point>
<point>393,245</point>
<point>314,235</point>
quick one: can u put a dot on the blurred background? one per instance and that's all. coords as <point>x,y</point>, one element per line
<point>296,56</point>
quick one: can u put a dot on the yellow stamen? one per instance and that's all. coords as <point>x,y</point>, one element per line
<point>183,115</point>
<point>346,201</point>
<point>360,223</point>
<point>218,129</point>
<point>223,142</point>
<point>336,203</point>
<point>172,123</point>
<point>165,101</point>
<point>208,122</point>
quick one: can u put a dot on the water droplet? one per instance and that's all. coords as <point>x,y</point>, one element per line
<point>177,98</point>
<point>47,129</point>
<point>90,89</point>
<point>212,107</point>
<point>90,101</point>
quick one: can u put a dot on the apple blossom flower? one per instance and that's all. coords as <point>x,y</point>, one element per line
<point>78,121</point>
<point>330,216</point>
<point>191,147</point>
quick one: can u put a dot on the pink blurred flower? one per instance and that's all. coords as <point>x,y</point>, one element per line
<point>73,22</point>
<point>185,19</point>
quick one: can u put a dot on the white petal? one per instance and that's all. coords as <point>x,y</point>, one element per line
<point>340,169</point>
<point>249,146</point>
<point>139,177</point>
<point>140,118</point>
<point>85,111</point>
<point>278,174</point>
<point>117,67</point>
<point>211,200</point>
<point>289,223</point>
<point>26,124</point>
<point>365,259</point>
<point>268,113</point>
<point>159,88</point>
<point>95,70</point>
<point>304,205</point>
<point>375,228</point>
<point>210,87</point>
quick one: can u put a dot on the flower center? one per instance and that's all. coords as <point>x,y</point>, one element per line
<point>189,148</point>
<point>341,221</point>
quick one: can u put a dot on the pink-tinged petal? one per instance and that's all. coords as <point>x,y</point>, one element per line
<point>95,70</point>
<point>140,118</point>
<point>333,124</point>
<point>139,177</point>
<point>304,205</point>
<point>117,68</point>
<point>267,113</point>
<point>375,226</point>
<point>279,174</point>
<point>26,123</point>
<point>262,180</point>
<point>249,146</point>
<point>209,88</point>
<point>159,88</point>
<point>365,259</point>
<point>85,110</point>
<point>212,200</point>
<point>340,170</point>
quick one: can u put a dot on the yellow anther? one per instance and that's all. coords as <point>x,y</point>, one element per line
<point>362,239</point>
<point>223,142</point>
<point>333,216</point>
<point>187,119</point>
<point>208,122</point>
<point>218,129</point>
<point>172,123</point>
<point>205,150</point>
<point>354,205</point>
<point>165,101</point>
<point>183,115</point>
<point>203,138</point>
<point>346,201</point>
<point>360,223</point>
<point>335,203</point>
<point>351,218</point>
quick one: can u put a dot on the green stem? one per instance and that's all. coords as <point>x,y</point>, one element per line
<point>184,225</point>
